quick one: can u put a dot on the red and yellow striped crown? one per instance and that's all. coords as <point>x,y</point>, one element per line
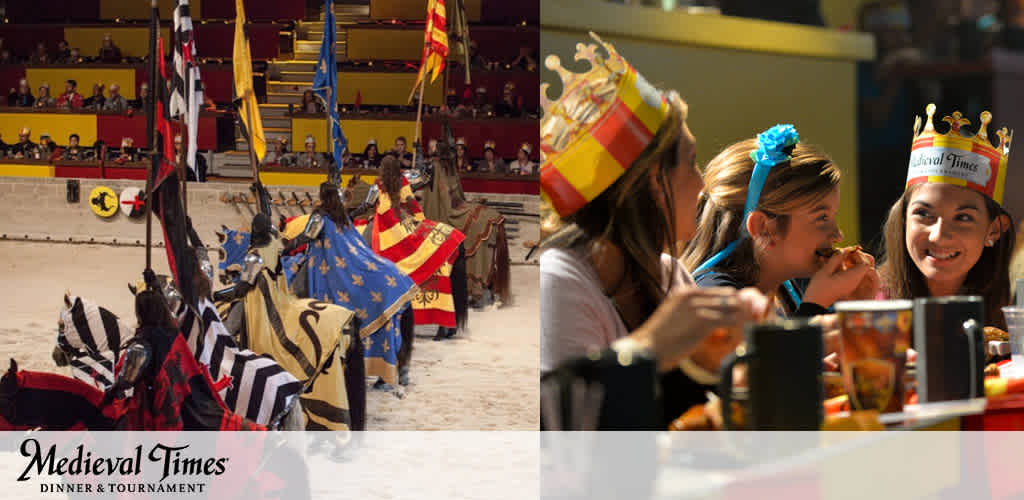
<point>959,158</point>
<point>594,131</point>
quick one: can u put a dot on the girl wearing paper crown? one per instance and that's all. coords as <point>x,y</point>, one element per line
<point>619,169</point>
<point>767,216</point>
<point>948,234</point>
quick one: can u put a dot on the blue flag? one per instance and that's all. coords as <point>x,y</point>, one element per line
<point>325,84</point>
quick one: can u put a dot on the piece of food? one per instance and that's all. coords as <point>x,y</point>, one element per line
<point>992,370</point>
<point>994,334</point>
<point>695,419</point>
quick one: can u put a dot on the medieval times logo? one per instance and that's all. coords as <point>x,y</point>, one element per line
<point>82,472</point>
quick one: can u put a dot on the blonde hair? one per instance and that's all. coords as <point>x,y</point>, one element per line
<point>807,178</point>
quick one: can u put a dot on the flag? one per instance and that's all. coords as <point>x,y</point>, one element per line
<point>325,84</point>
<point>167,202</point>
<point>186,91</point>
<point>435,43</point>
<point>249,108</point>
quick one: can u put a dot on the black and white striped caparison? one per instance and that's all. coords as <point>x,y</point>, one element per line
<point>260,388</point>
<point>92,339</point>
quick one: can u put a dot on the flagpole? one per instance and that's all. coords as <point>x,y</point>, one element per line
<point>330,129</point>
<point>182,169</point>
<point>151,130</point>
<point>252,148</point>
<point>419,125</point>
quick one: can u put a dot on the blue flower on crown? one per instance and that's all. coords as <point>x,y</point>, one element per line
<point>772,144</point>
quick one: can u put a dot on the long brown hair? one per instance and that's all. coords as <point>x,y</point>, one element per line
<point>391,177</point>
<point>989,277</point>
<point>633,216</point>
<point>331,205</point>
<point>807,178</point>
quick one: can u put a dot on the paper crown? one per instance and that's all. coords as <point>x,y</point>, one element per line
<point>597,128</point>
<point>372,142</point>
<point>461,141</point>
<point>310,140</point>
<point>526,147</point>
<point>489,145</point>
<point>958,158</point>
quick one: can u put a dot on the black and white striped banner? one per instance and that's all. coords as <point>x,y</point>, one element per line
<point>186,90</point>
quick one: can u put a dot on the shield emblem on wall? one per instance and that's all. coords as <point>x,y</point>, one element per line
<point>133,202</point>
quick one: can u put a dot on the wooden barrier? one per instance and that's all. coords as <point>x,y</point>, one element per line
<point>358,132</point>
<point>507,134</point>
<point>401,43</point>
<point>502,184</point>
<point>59,124</point>
<point>25,168</point>
<point>90,126</point>
<point>114,9</point>
<point>385,88</point>
<point>416,10</point>
<point>526,83</point>
<point>218,39</point>
<point>133,41</point>
<point>262,10</point>
<point>86,76</point>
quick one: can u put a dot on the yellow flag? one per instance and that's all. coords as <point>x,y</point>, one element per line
<point>250,109</point>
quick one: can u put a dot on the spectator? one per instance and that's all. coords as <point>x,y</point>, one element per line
<point>346,160</point>
<point>21,98</point>
<point>109,53</point>
<point>190,173</point>
<point>310,104</point>
<point>491,164</point>
<point>128,151</point>
<point>75,57</point>
<point>3,148</point>
<point>522,165</point>
<point>371,158</point>
<point>480,105</point>
<point>116,102</point>
<point>97,150</point>
<point>526,59</point>
<point>143,99</point>
<point>63,55</point>
<point>279,156</point>
<point>477,60</point>
<point>45,100</point>
<point>404,157</point>
<point>40,56</point>
<point>46,146</point>
<point>310,158</point>
<point>6,57</point>
<point>73,151</point>
<point>24,147</point>
<point>511,106</point>
<point>70,99</point>
<point>208,104</point>
<point>462,163</point>
<point>96,101</point>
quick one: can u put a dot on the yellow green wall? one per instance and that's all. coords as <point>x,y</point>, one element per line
<point>737,80</point>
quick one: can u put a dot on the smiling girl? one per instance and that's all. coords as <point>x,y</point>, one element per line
<point>948,234</point>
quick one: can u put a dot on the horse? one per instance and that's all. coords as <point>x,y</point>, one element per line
<point>90,337</point>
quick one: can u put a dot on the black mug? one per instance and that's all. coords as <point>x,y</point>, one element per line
<point>950,344</point>
<point>784,377</point>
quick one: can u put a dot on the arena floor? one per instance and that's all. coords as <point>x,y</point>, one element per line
<point>485,379</point>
